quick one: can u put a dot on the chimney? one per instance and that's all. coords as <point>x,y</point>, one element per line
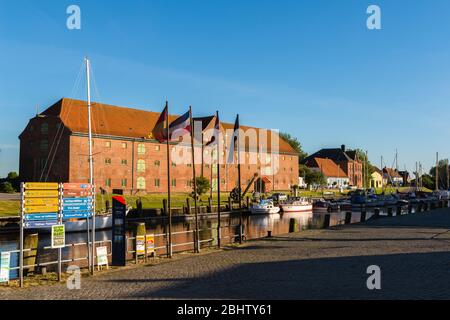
<point>343,147</point>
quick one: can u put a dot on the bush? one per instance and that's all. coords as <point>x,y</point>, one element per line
<point>6,187</point>
<point>203,186</point>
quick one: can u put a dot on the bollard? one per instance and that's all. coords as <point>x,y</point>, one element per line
<point>107,205</point>
<point>230,206</point>
<point>269,234</point>
<point>326,221</point>
<point>389,212</point>
<point>410,207</point>
<point>399,211</point>
<point>293,225</point>
<point>363,216</point>
<point>248,202</point>
<point>348,217</point>
<point>376,213</point>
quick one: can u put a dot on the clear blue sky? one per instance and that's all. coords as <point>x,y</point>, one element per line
<point>310,68</point>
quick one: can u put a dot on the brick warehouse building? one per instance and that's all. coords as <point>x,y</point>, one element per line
<point>54,147</point>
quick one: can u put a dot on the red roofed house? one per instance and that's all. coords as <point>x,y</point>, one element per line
<point>336,177</point>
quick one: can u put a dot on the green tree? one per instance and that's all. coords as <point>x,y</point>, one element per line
<point>442,175</point>
<point>428,181</point>
<point>303,170</point>
<point>12,175</point>
<point>202,185</point>
<point>315,178</point>
<point>6,187</point>
<point>295,144</point>
<point>14,180</point>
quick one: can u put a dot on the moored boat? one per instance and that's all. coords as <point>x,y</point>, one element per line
<point>264,207</point>
<point>297,205</point>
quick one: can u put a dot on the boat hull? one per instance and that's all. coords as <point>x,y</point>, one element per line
<point>297,208</point>
<point>265,210</point>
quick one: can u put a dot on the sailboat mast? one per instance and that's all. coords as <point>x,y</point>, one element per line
<point>91,254</point>
<point>88,79</point>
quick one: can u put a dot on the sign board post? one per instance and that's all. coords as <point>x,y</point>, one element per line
<point>39,208</point>
<point>58,236</point>
<point>150,245</point>
<point>119,244</point>
<point>5,260</point>
<point>140,247</point>
<point>78,202</point>
<point>102,257</point>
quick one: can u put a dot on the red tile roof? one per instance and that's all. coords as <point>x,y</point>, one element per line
<point>328,167</point>
<point>122,121</point>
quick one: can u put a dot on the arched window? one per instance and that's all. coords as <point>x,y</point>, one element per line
<point>141,165</point>
<point>141,183</point>
<point>141,149</point>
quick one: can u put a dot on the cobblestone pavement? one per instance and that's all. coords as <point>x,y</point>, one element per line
<point>412,252</point>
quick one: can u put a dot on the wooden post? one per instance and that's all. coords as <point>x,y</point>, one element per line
<point>348,217</point>
<point>377,213</point>
<point>363,216</point>
<point>293,225</point>
<point>165,207</point>
<point>209,205</point>
<point>29,257</point>
<point>188,206</point>
<point>139,208</point>
<point>326,221</point>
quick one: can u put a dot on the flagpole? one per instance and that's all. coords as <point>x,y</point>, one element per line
<point>169,249</point>
<point>239,181</point>
<point>196,236</point>
<point>218,182</point>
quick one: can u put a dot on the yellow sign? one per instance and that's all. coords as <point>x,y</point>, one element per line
<point>41,209</point>
<point>58,236</point>
<point>41,202</point>
<point>150,243</point>
<point>41,194</point>
<point>41,186</point>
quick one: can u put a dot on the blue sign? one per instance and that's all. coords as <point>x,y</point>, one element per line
<point>81,207</point>
<point>41,216</point>
<point>77,215</point>
<point>77,201</point>
<point>39,224</point>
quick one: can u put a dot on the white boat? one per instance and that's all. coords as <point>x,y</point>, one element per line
<point>102,222</point>
<point>264,207</point>
<point>299,205</point>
